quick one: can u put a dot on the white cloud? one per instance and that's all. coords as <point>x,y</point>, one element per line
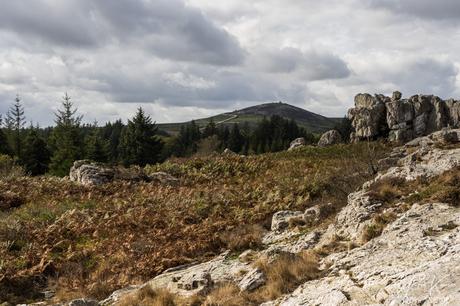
<point>184,59</point>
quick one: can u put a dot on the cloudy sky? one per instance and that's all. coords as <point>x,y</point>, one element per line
<point>183,59</point>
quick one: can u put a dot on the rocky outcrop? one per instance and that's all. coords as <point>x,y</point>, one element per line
<point>297,143</point>
<point>329,138</point>
<point>89,173</point>
<point>368,118</point>
<point>401,119</point>
<point>415,261</point>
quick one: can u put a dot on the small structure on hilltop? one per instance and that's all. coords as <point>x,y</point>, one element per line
<point>401,120</point>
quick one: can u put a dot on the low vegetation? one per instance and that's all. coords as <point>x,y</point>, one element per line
<point>398,195</point>
<point>444,188</point>
<point>89,241</point>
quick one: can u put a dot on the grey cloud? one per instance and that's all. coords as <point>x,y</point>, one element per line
<point>312,65</point>
<point>167,28</point>
<point>427,75</point>
<point>64,23</point>
<point>431,9</point>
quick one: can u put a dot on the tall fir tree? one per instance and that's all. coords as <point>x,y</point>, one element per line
<point>210,129</point>
<point>4,145</point>
<point>96,146</point>
<point>36,156</point>
<point>15,122</point>
<point>139,143</point>
<point>112,134</point>
<point>236,139</point>
<point>66,138</point>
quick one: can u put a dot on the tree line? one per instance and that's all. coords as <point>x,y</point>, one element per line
<point>138,142</point>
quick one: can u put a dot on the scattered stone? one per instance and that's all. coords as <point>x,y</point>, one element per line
<point>117,295</point>
<point>228,152</point>
<point>445,136</point>
<point>247,256</point>
<point>311,214</point>
<point>83,302</point>
<point>164,178</point>
<point>329,138</point>
<point>252,280</point>
<point>280,220</point>
<point>296,143</point>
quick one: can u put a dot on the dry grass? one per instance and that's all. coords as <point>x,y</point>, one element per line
<point>377,226</point>
<point>387,190</point>
<point>335,245</point>
<point>286,273</point>
<point>283,275</point>
<point>147,296</point>
<point>443,188</point>
<point>243,238</point>
<point>227,294</point>
<point>9,168</point>
<point>98,239</point>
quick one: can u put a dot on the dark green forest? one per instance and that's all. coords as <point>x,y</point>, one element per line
<point>138,142</point>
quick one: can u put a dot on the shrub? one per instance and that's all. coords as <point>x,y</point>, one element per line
<point>9,168</point>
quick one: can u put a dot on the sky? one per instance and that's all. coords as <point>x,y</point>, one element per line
<point>188,59</point>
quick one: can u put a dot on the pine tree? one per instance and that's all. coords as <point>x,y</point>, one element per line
<point>66,138</point>
<point>235,140</point>
<point>96,146</point>
<point>112,134</point>
<point>15,123</point>
<point>4,145</point>
<point>36,156</point>
<point>210,129</point>
<point>139,143</point>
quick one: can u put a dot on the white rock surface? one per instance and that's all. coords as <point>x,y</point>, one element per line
<point>404,266</point>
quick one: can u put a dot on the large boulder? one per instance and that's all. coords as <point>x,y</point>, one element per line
<point>296,143</point>
<point>329,138</point>
<point>90,173</point>
<point>368,118</point>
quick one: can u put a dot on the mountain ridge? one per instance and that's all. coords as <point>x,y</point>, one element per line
<point>313,122</point>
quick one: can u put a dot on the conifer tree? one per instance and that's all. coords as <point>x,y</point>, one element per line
<point>66,138</point>
<point>235,140</point>
<point>15,123</point>
<point>210,129</point>
<point>96,146</point>
<point>139,143</point>
<point>112,135</point>
<point>36,156</point>
<point>4,145</point>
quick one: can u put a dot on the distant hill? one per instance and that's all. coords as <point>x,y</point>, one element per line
<point>312,122</point>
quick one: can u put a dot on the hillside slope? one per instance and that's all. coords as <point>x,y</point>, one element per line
<point>312,122</point>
